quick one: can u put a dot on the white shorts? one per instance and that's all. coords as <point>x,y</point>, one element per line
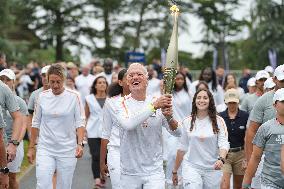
<point>194,178</point>
<point>46,166</point>
<point>15,165</point>
<point>156,181</point>
<point>113,162</point>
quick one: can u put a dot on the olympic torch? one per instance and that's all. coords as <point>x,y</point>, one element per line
<point>170,69</point>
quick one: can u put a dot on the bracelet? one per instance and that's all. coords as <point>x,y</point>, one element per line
<point>174,172</point>
<point>221,159</point>
<point>152,108</point>
<point>246,186</point>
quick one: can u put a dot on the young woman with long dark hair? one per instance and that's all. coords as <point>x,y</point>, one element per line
<point>94,113</point>
<point>205,140</point>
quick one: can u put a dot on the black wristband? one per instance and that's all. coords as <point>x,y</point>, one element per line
<point>221,159</point>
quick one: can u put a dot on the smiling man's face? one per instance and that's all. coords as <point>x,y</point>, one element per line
<point>137,78</point>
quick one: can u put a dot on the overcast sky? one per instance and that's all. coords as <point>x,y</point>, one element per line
<point>186,40</point>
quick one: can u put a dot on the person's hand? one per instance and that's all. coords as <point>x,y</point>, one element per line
<point>164,101</point>
<point>167,112</point>
<point>11,152</point>
<point>31,154</point>
<point>79,151</point>
<point>218,165</point>
<point>244,164</point>
<point>104,171</point>
<point>175,179</point>
<point>4,181</point>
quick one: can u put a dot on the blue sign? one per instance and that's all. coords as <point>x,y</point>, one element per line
<point>132,57</point>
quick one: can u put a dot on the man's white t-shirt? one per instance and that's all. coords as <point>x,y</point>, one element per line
<point>57,117</point>
<point>141,137</point>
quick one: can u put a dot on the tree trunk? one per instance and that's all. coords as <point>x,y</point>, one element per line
<point>59,35</point>
<point>107,29</point>
<point>138,30</point>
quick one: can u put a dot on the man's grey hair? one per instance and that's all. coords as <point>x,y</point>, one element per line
<point>136,64</point>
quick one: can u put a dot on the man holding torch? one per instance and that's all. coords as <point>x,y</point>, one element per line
<point>141,119</point>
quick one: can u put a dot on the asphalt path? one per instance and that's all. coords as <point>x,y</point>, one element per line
<point>82,179</point>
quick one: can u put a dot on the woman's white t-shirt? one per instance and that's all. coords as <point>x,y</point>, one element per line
<point>57,117</point>
<point>201,144</point>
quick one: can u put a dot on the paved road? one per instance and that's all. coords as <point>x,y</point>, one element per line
<point>82,177</point>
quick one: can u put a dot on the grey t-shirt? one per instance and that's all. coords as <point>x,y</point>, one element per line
<point>263,109</point>
<point>2,123</point>
<point>270,137</point>
<point>32,100</point>
<point>8,119</point>
<point>248,102</point>
<point>7,100</point>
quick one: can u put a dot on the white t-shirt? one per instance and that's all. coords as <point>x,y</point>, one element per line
<point>141,137</point>
<point>95,120</point>
<point>57,117</point>
<point>201,144</point>
<point>110,123</point>
<point>153,87</point>
<point>83,84</point>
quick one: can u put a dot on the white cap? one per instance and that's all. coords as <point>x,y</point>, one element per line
<point>278,95</point>
<point>262,74</point>
<point>45,69</point>
<point>268,84</point>
<point>279,72</point>
<point>251,82</point>
<point>269,69</point>
<point>9,73</point>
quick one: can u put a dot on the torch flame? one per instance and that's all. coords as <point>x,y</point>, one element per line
<point>174,9</point>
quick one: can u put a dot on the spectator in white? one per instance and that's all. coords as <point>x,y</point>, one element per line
<point>110,143</point>
<point>4,171</point>
<point>270,70</point>
<point>108,66</point>
<point>220,74</point>
<point>269,85</point>
<point>153,87</point>
<point>262,112</point>
<point>209,76</point>
<point>248,103</point>
<point>268,140</point>
<point>182,102</point>
<point>8,77</point>
<point>205,139</point>
<point>84,82</point>
<point>59,125</point>
<point>236,121</point>
<point>141,122</point>
<point>94,115</point>
<point>70,83</point>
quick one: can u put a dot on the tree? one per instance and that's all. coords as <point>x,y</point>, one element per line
<point>57,22</point>
<point>219,24</point>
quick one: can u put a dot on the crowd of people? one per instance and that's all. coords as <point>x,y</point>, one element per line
<point>210,133</point>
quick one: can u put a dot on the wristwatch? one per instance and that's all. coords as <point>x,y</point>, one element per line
<point>221,159</point>
<point>15,142</point>
<point>4,170</point>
